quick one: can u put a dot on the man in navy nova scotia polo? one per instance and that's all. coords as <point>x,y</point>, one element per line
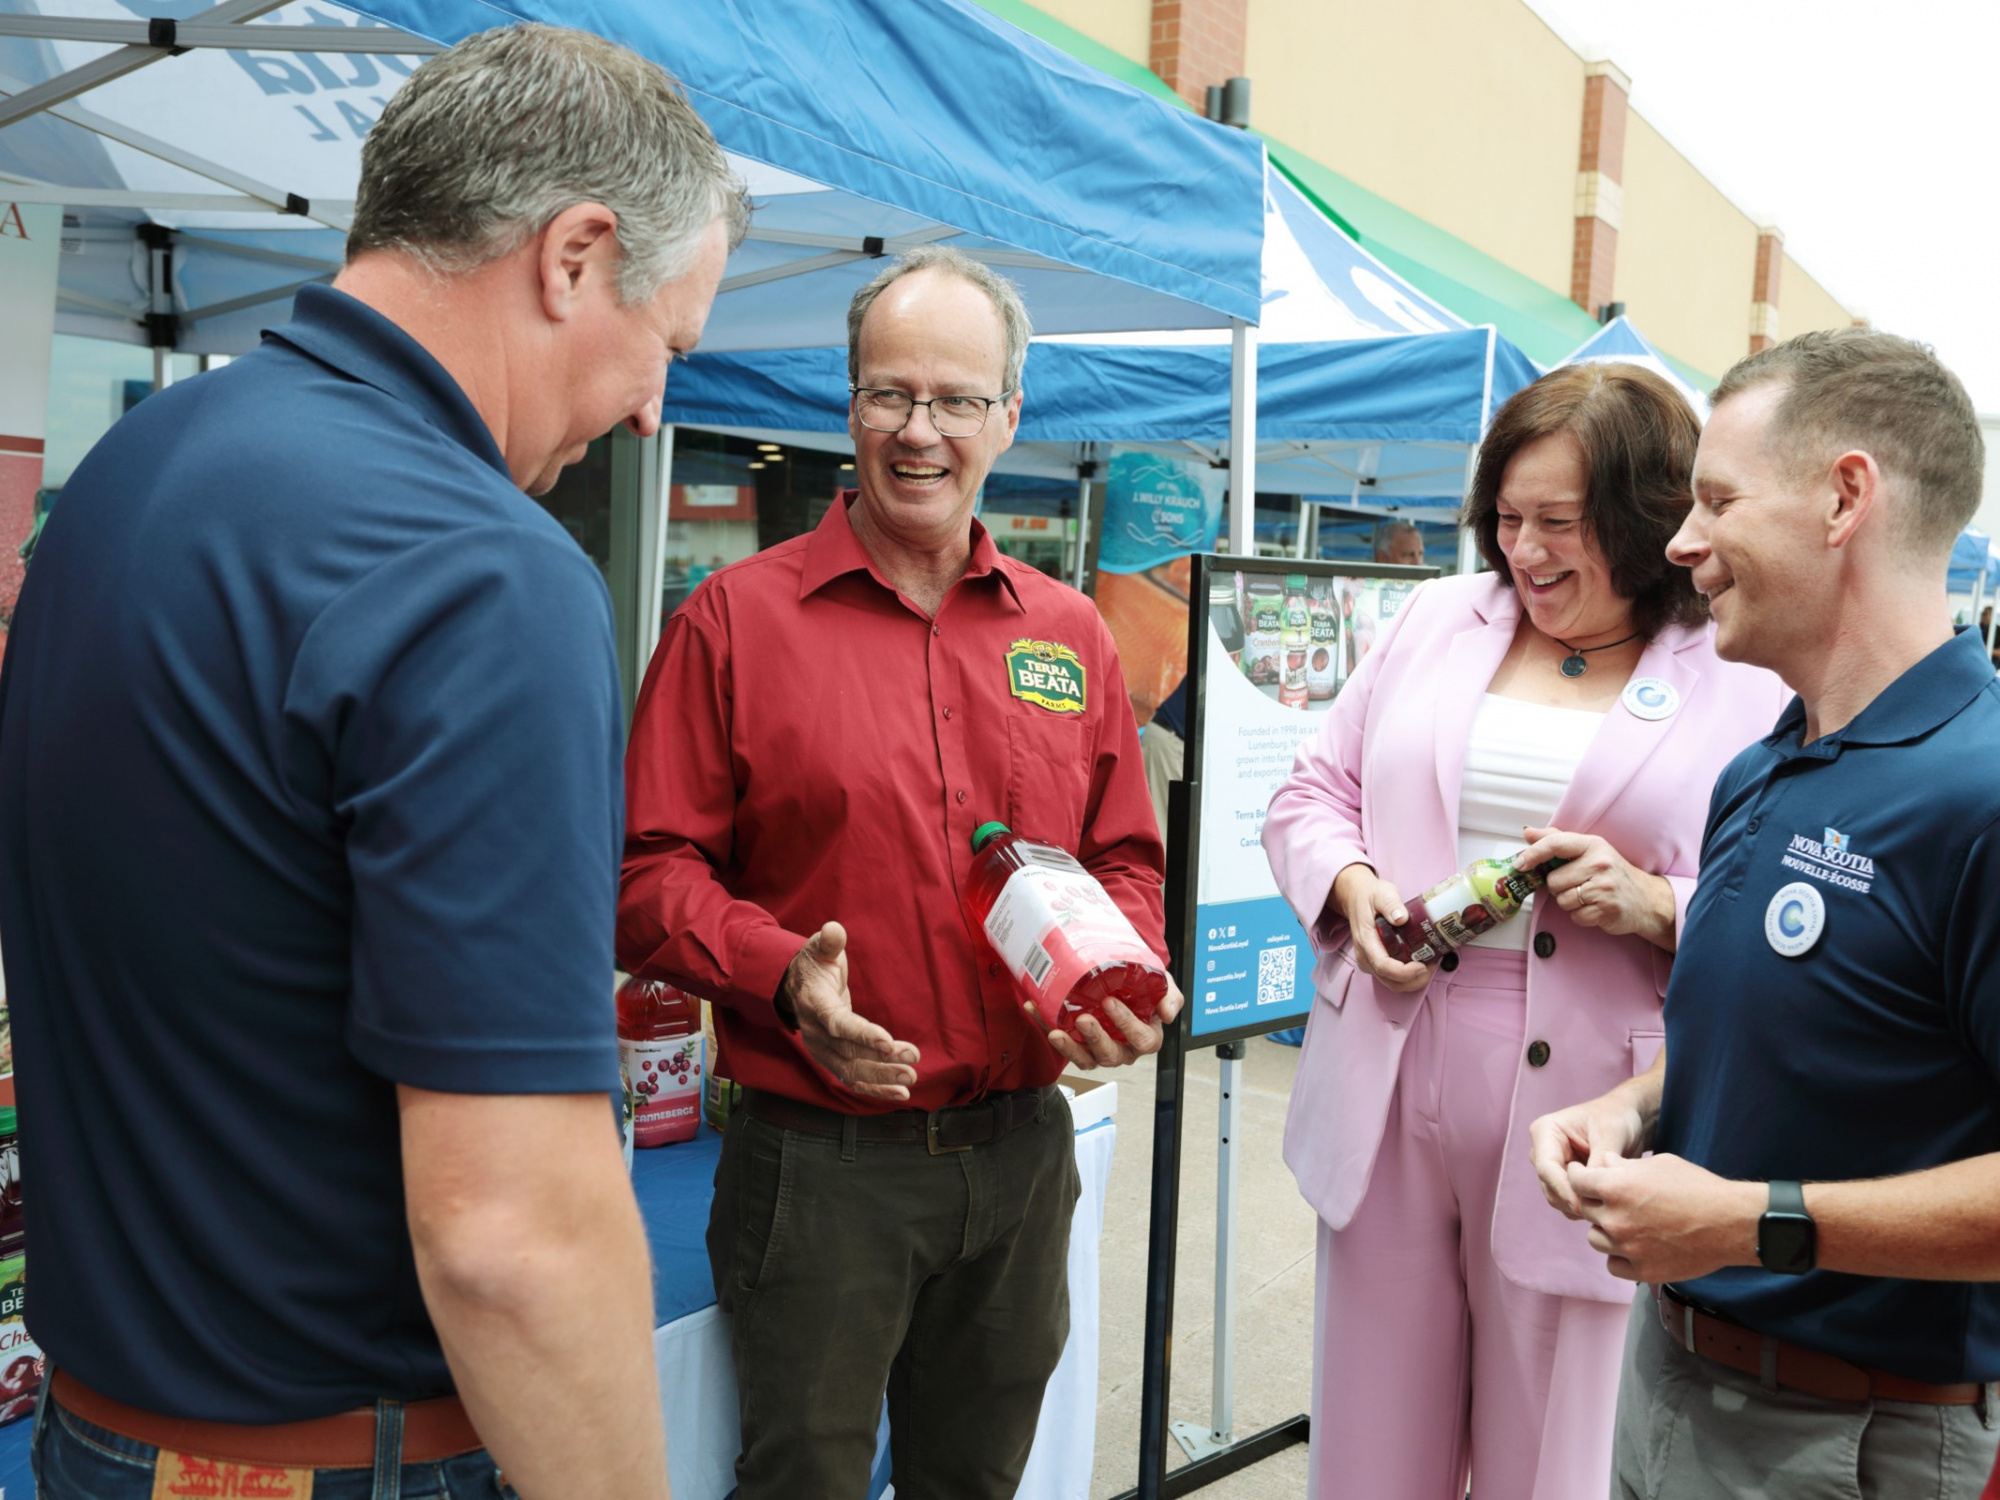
<point>1819,1224</point>
<point>310,818</point>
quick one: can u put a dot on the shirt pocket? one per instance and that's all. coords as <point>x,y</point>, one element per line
<point>1048,781</point>
<point>1646,1047</point>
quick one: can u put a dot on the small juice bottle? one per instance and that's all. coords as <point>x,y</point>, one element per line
<point>659,1050</point>
<point>1460,907</point>
<point>1064,940</point>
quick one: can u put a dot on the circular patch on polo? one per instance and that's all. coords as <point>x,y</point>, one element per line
<point>1795,919</point>
<point>1651,698</point>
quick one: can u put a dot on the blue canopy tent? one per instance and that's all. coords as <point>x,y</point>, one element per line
<point>1974,570</point>
<point>851,127</point>
<point>1975,565</point>
<point>1368,394</point>
<point>1620,342</point>
<point>206,161</point>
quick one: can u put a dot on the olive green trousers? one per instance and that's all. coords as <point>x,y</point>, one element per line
<point>853,1269</point>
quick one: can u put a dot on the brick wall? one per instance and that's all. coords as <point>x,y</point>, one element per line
<point>1764,288</point>
<point>1196,43</point>
<point>1600,178</point>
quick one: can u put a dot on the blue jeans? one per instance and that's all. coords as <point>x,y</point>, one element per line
<point>78,1460</point>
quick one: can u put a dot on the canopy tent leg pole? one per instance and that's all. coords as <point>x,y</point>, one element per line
<point>1085,469</point>
<point>1468,547</point>
<point>160,301</point>
<point>1243,438</point>
<point>1468,551</point>
<point>1308,543</point>
<point>1978,594</point>
<point>655,507</point>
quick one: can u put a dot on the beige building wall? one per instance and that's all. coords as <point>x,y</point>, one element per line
<point>1464,112</point>
<point>1803,304</point>
<point>1125,26</point>
<point>1686,256</point>
<point>1468,113</point>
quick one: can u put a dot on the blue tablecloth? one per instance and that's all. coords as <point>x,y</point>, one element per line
<point>15,1480</point>
<point>674,1185</point>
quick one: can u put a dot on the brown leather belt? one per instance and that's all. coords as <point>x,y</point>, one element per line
<point>433,1431</point>
<point>1777,1363</point>
<point>958,1128</point>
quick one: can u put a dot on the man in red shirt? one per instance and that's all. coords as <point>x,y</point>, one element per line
<point>824,726</point>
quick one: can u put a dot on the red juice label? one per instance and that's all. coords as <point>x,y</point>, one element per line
<point>1053,924</point>
<point>665,1080</point>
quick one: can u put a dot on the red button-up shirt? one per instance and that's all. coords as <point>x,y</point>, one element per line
<point>810,747</point>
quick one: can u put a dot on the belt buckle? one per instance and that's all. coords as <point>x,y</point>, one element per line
<point>931,1136</point>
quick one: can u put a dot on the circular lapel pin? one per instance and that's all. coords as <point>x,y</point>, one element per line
<point>1795,919</point>
<point>1650,698</point>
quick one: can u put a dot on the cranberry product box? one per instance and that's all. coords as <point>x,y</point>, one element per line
<point>21,1362</point>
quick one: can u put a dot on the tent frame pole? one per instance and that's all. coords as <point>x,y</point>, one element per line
<point>1242,438</point>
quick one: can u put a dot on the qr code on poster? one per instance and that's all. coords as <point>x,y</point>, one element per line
<point>1277,970</point>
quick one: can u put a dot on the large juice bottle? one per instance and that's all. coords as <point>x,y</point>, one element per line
<point>1064,940</point>
<point>659,1049</point>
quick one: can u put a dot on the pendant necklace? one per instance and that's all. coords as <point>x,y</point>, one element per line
<point>1574,664</point>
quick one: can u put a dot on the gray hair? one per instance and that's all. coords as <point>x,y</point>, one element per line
<point>1848,388</point>
<point>490,140</point>
<point>1004,295</point>
<point>1386,533</point>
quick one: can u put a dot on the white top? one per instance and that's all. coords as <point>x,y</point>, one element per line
<point>1518,763</point>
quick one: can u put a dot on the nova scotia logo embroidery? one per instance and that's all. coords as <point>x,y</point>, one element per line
<point>1831,860</point>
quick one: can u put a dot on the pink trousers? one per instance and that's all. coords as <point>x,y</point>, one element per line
<point>1429,1364</point>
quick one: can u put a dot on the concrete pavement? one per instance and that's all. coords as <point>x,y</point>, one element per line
<point>1274,1275</point>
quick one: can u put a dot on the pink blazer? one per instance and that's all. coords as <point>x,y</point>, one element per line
<point>1381,786</point>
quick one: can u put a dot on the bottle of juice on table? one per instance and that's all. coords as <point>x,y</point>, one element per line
<point>659,1050</point>
<point>1064,940</point>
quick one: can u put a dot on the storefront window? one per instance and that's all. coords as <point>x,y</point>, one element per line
<point>581,500</point>
<point>92,383</point>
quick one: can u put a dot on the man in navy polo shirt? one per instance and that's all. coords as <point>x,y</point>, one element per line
<point>309,832</point>
<point>1819,1223</point>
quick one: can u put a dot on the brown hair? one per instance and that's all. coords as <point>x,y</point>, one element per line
<point>1851,388</point>
<point>1637,436</point>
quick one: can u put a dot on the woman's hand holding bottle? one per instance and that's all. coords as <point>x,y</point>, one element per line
<point>1359,896</point>
<point>1600,888</point>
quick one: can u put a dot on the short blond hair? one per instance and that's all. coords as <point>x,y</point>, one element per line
<point>1889,397</point>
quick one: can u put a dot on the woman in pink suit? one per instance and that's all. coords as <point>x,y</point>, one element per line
<point>1569,700</point>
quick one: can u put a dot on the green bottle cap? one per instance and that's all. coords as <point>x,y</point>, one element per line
<point>986,832</point>
<point>1295,580</point>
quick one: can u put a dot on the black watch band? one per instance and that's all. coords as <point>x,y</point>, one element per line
<point>1787,1238</point>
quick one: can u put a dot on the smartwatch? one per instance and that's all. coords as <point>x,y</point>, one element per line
<point>1787,1239</point>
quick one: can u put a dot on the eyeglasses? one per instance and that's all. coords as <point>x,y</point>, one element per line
<point>952,416</point>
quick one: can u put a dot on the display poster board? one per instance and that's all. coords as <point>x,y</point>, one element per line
<point>1271,646</point>
<point>1158,509</point>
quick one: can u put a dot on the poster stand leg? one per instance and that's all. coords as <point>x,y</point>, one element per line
<point>1170,1089</point>
<point>1194,1441</point>
<point>1155,1483</point>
